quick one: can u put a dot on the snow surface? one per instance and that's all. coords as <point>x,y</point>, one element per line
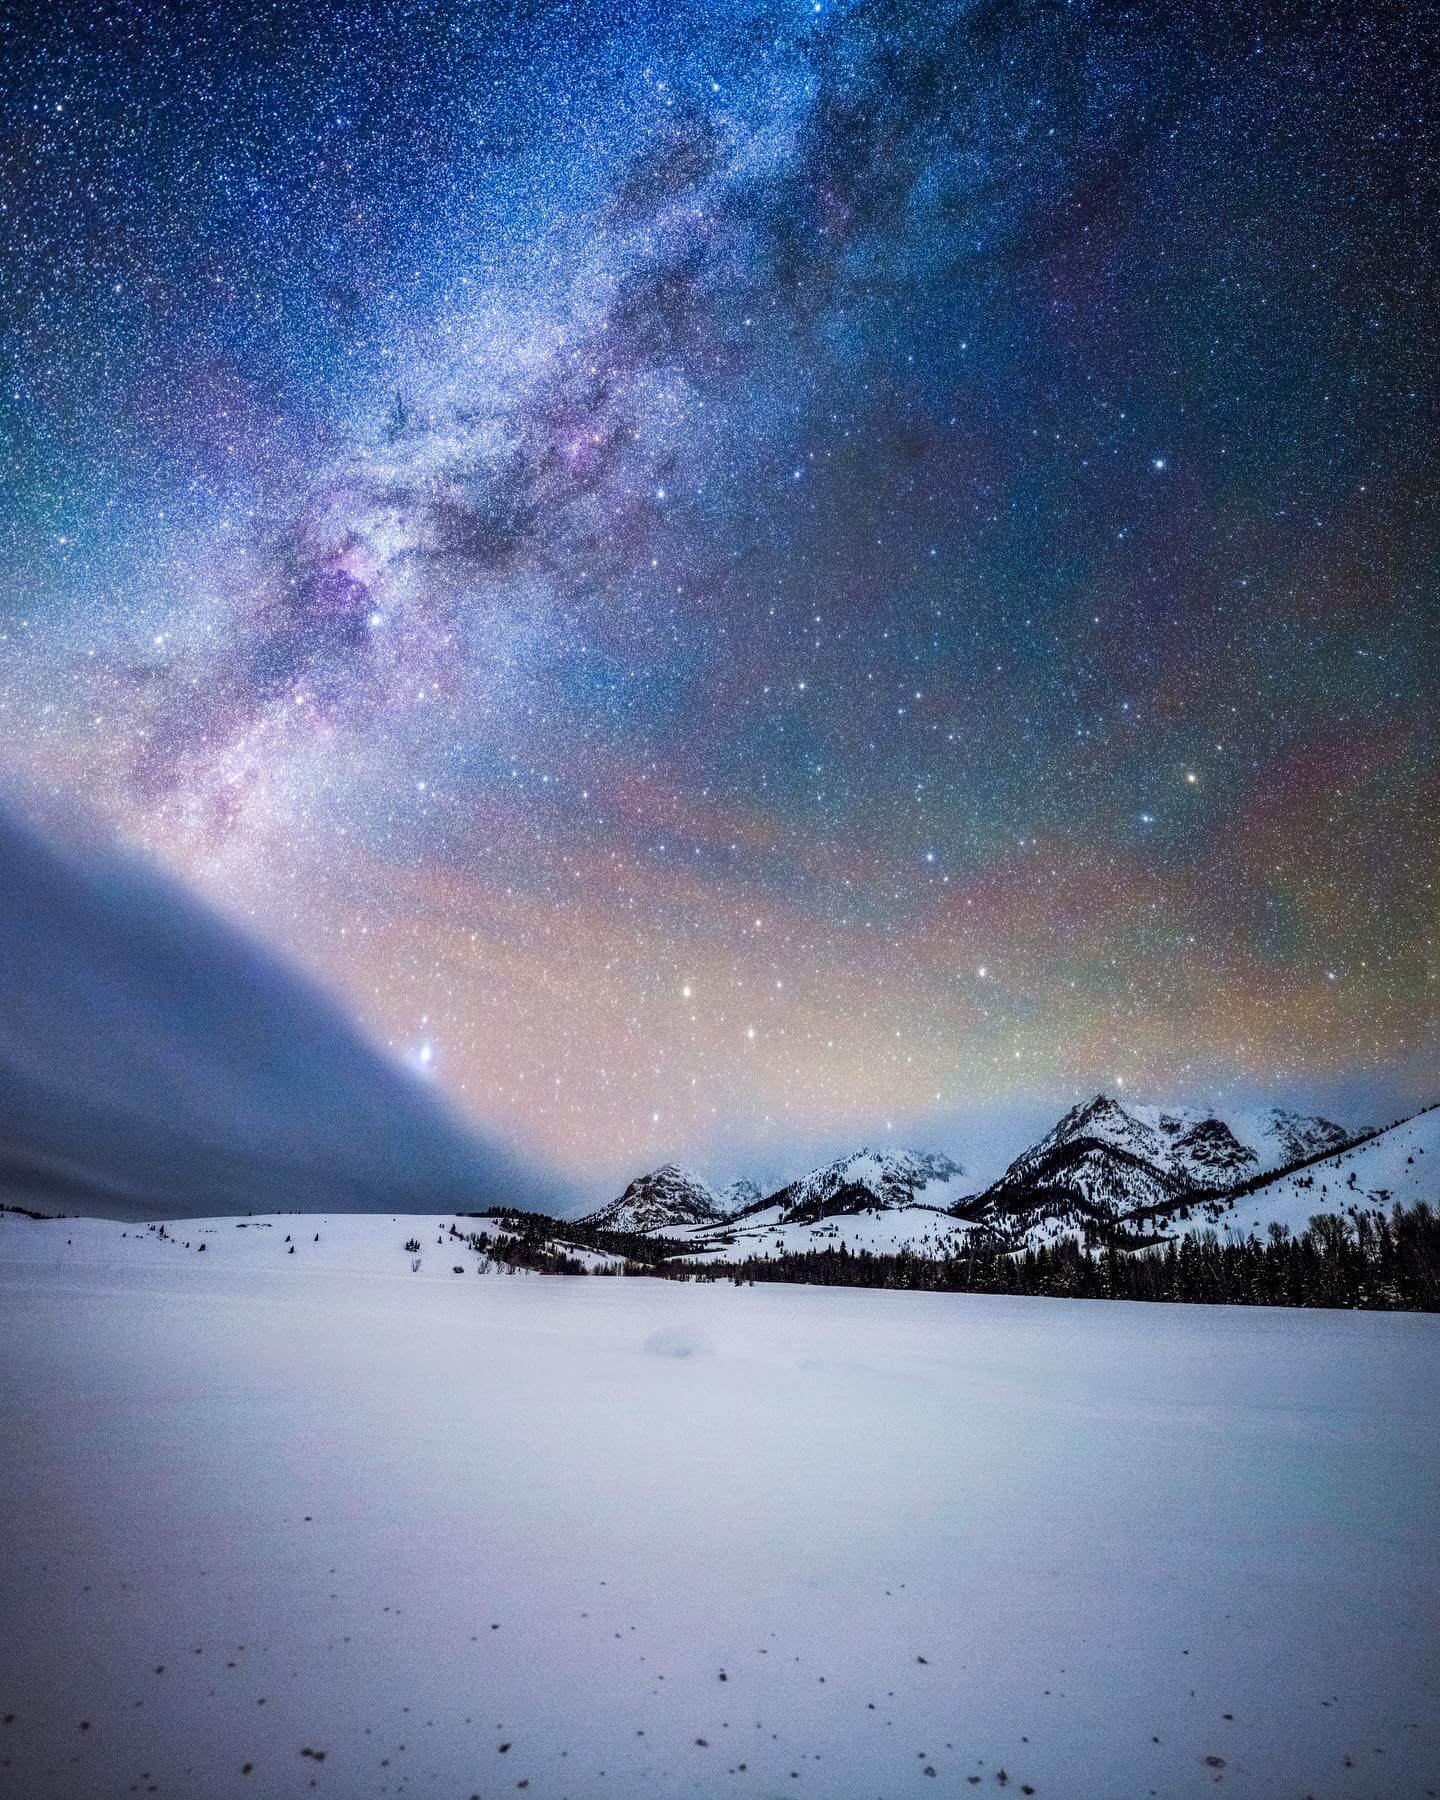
<point>347,1243</point>
<point>260,1504</point>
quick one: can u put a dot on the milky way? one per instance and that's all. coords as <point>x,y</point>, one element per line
<point>735,577</point>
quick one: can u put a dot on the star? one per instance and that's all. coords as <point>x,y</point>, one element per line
<point>533,521</point>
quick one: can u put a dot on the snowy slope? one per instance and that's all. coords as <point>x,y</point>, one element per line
<point>290,1246</point>
<point>547,1539</point>
<point>1399,1165</point>
<point>773,1230</point>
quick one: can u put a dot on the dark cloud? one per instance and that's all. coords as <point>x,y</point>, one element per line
<point>157,1063</point>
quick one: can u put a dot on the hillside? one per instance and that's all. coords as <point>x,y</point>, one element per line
<point>1399,1165</point>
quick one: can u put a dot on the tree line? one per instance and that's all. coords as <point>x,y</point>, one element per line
<point>1366,1260</point>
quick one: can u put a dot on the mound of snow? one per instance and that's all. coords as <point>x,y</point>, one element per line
<point>472,1529</point>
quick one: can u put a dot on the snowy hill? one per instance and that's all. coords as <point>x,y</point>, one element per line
<point>1399,1165</point>
<point>296,1247</point>
<point>666,1197</point>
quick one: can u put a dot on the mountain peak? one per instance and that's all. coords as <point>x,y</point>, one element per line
<point>672,1172</point>
<point>738,1196</point>
<point>1100,1108</point>
<point>868,1179</point>
<point>1109,1161</point>
<point>666,1197</point>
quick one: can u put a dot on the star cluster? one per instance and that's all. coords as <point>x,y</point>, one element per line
<point>740,575</point>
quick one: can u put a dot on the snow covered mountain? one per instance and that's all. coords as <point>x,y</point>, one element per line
<point>1106,1165</point>
<point>738,1196</point>
<point>665,1198</point>
<point>909,1188</point>
<point>1283,1138</point>
<point>867,1181</point>
<point>879,1200</point>
<point>1107,1170</point>
<point>1177,1148</point>
<point>675,1200</point>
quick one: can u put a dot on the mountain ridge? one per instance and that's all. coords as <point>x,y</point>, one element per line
<point>1106,1169</point>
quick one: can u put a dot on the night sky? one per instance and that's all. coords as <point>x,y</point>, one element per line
<point>737,578</point>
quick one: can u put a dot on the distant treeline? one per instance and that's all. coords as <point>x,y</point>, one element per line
<point>1364,1259</point>
<point>531,1237</point>
<point>1368,1260</point>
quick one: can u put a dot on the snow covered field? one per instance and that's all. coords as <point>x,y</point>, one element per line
<point>361,1532</point>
